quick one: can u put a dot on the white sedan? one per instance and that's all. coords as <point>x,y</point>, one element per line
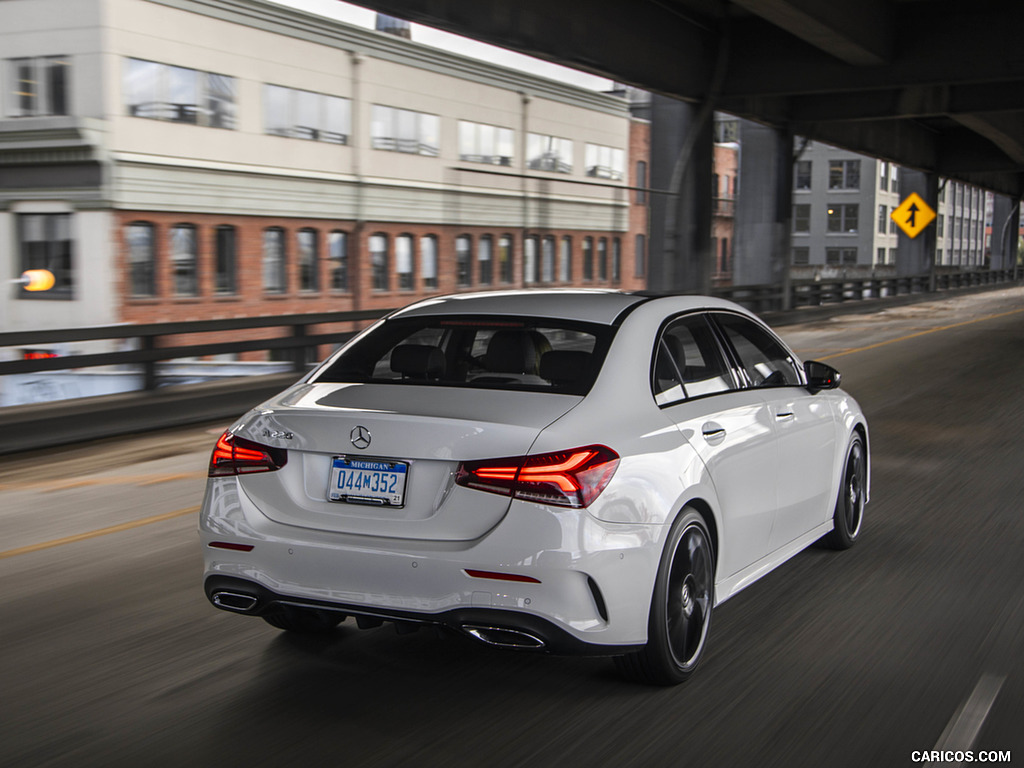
<point>571,471</point>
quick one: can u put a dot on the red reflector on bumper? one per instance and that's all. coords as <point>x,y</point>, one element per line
<point>231,546</point>
<point>502,576</point>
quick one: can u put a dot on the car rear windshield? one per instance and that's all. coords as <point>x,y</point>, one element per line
<point>479,352</point>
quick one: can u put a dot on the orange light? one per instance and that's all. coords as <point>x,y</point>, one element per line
<point>37,280</point>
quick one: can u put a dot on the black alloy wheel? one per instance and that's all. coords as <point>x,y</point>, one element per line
<point>849,514</point>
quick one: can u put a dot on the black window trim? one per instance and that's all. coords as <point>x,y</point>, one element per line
<point>738,383</point>
<point>734,357</point>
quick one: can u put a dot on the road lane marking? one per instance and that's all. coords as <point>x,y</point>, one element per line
<point>921,333</point>
<point>965,726</point>
<point>99,532</point>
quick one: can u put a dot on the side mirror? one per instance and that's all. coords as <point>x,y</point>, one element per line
<point>821,376</point>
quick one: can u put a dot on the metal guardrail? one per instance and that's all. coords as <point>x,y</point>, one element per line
<point>759,298</point>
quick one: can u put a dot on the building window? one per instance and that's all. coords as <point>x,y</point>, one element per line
<point>484,257</point>
<point>880,256</point>
<point>725,255</point>
<point>603,162</point>
<point>727,131</point>
<point>892,255</point>
<point>306,115</point>
<point>616,260</point>
<point>479,143</point>
<point>602,259</point>
<point>938,255</point>
<point>547,260</point>
<point>402,130</point>
<point>505,258</point>
<point>842,218</point>
<point>183,260</point>
<point>141,258</point>
<point>530,260</point>
<point>882,219</point>
<point>428,260</point>
<point>548,153</point>
<point>45,243</point>
<point>565,260</point>
<point>463,261</point>
<point>40,86</point>
<point>802,217</point>
<point>894,186</point>
<point>379,262</point>
<point>640,256</point>
<point>309,267</point>
<point>641,182</point>
<point>802,174</point>
<point>179,94</point>
<point>588,258</point>
<point>801,255</point>
<point>844,256</point>
<point>892,221</point>
<point>224,260</point>
<point>274,260</point>
<point>337,255</point>
<point>883,177</point>
<point>844,174</point>
<point>404,262</point>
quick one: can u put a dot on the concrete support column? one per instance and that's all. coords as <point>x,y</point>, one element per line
<point>917,256</point>
<point>681,159</point>
<point>764,208</point>
<point>1005,229</point>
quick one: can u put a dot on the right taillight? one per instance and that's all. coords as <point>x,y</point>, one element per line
<point>573,478</point>
<point>235,455</point>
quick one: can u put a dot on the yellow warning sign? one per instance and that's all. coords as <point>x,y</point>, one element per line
<point>913,215</point>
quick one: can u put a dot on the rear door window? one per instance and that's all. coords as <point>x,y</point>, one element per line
<point>689,362</point>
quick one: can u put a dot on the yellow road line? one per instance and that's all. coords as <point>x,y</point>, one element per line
<point>921,333</point>
<point>100,532</point>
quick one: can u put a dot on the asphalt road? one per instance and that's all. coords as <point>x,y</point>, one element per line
<point>111,656</point>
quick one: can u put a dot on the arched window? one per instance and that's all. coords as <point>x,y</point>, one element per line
<point>183,260</point>
<point>485,259</point>
<point>139,237</point>
<point>463,261</point>
<point>337,255</point>
<point>428,260</point>
<point>308,241</point>
<point>224,244</point>
<point>404,262</point>
<point>274,261</point>
<point>379,261</point>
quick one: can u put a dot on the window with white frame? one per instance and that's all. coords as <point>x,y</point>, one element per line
<point>548,153</point>
<point>139,237</point>
<point>565,260</point>
<point>307,247</point>
<point>273,260</point>
<point>505,258</point>
<point>183,260</point>
<point>485,259</point>
<point>463,261</point>
<point>403,130</point>
<point>844,174</point>
<point>843,217</point>
<point>44,240</point>
<point>801,255</point>
<point>844,256</point>
<point>39,86</point>
<point>404,262</point>
<point>337,255</point>
<point>802,175</point>
<point>480,143</point>
<point>802,217</point>
<point>306,115</point>
<point>179,94</point>
<point>603,162</point>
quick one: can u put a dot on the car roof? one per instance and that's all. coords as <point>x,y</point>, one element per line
<point>593,305</point>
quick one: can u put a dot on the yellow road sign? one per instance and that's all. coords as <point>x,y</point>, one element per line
<point>913,215</point>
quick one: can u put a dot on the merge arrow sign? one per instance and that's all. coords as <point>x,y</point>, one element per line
<point>913,215</point>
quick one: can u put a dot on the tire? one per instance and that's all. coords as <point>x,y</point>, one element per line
<point>304,621</point>
<point>848,518</point>
<point>681,607</point>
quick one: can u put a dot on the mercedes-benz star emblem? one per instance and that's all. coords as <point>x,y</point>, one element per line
<point>360,437</point>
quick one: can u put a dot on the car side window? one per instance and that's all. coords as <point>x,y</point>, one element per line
<point>689,362</point>
<point>765,360</point>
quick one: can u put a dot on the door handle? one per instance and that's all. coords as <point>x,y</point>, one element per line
<point>785,416</point>
<point>713,433</point>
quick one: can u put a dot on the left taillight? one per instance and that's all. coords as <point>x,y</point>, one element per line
<point>235,455</point>
<point>573,478</point>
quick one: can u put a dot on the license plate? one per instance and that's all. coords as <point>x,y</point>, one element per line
<point>368,481</point>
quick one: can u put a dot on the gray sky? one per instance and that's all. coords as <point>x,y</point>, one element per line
<point>353,14</point>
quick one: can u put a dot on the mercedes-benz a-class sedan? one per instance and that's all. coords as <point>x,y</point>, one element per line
<point>578,472</point>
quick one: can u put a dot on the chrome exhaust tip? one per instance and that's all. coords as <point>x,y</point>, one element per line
<point>504,638</point>
<point>234,601</point>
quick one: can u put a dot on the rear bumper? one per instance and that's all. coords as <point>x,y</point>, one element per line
<point>501,628</point>
<point>589,590</point>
